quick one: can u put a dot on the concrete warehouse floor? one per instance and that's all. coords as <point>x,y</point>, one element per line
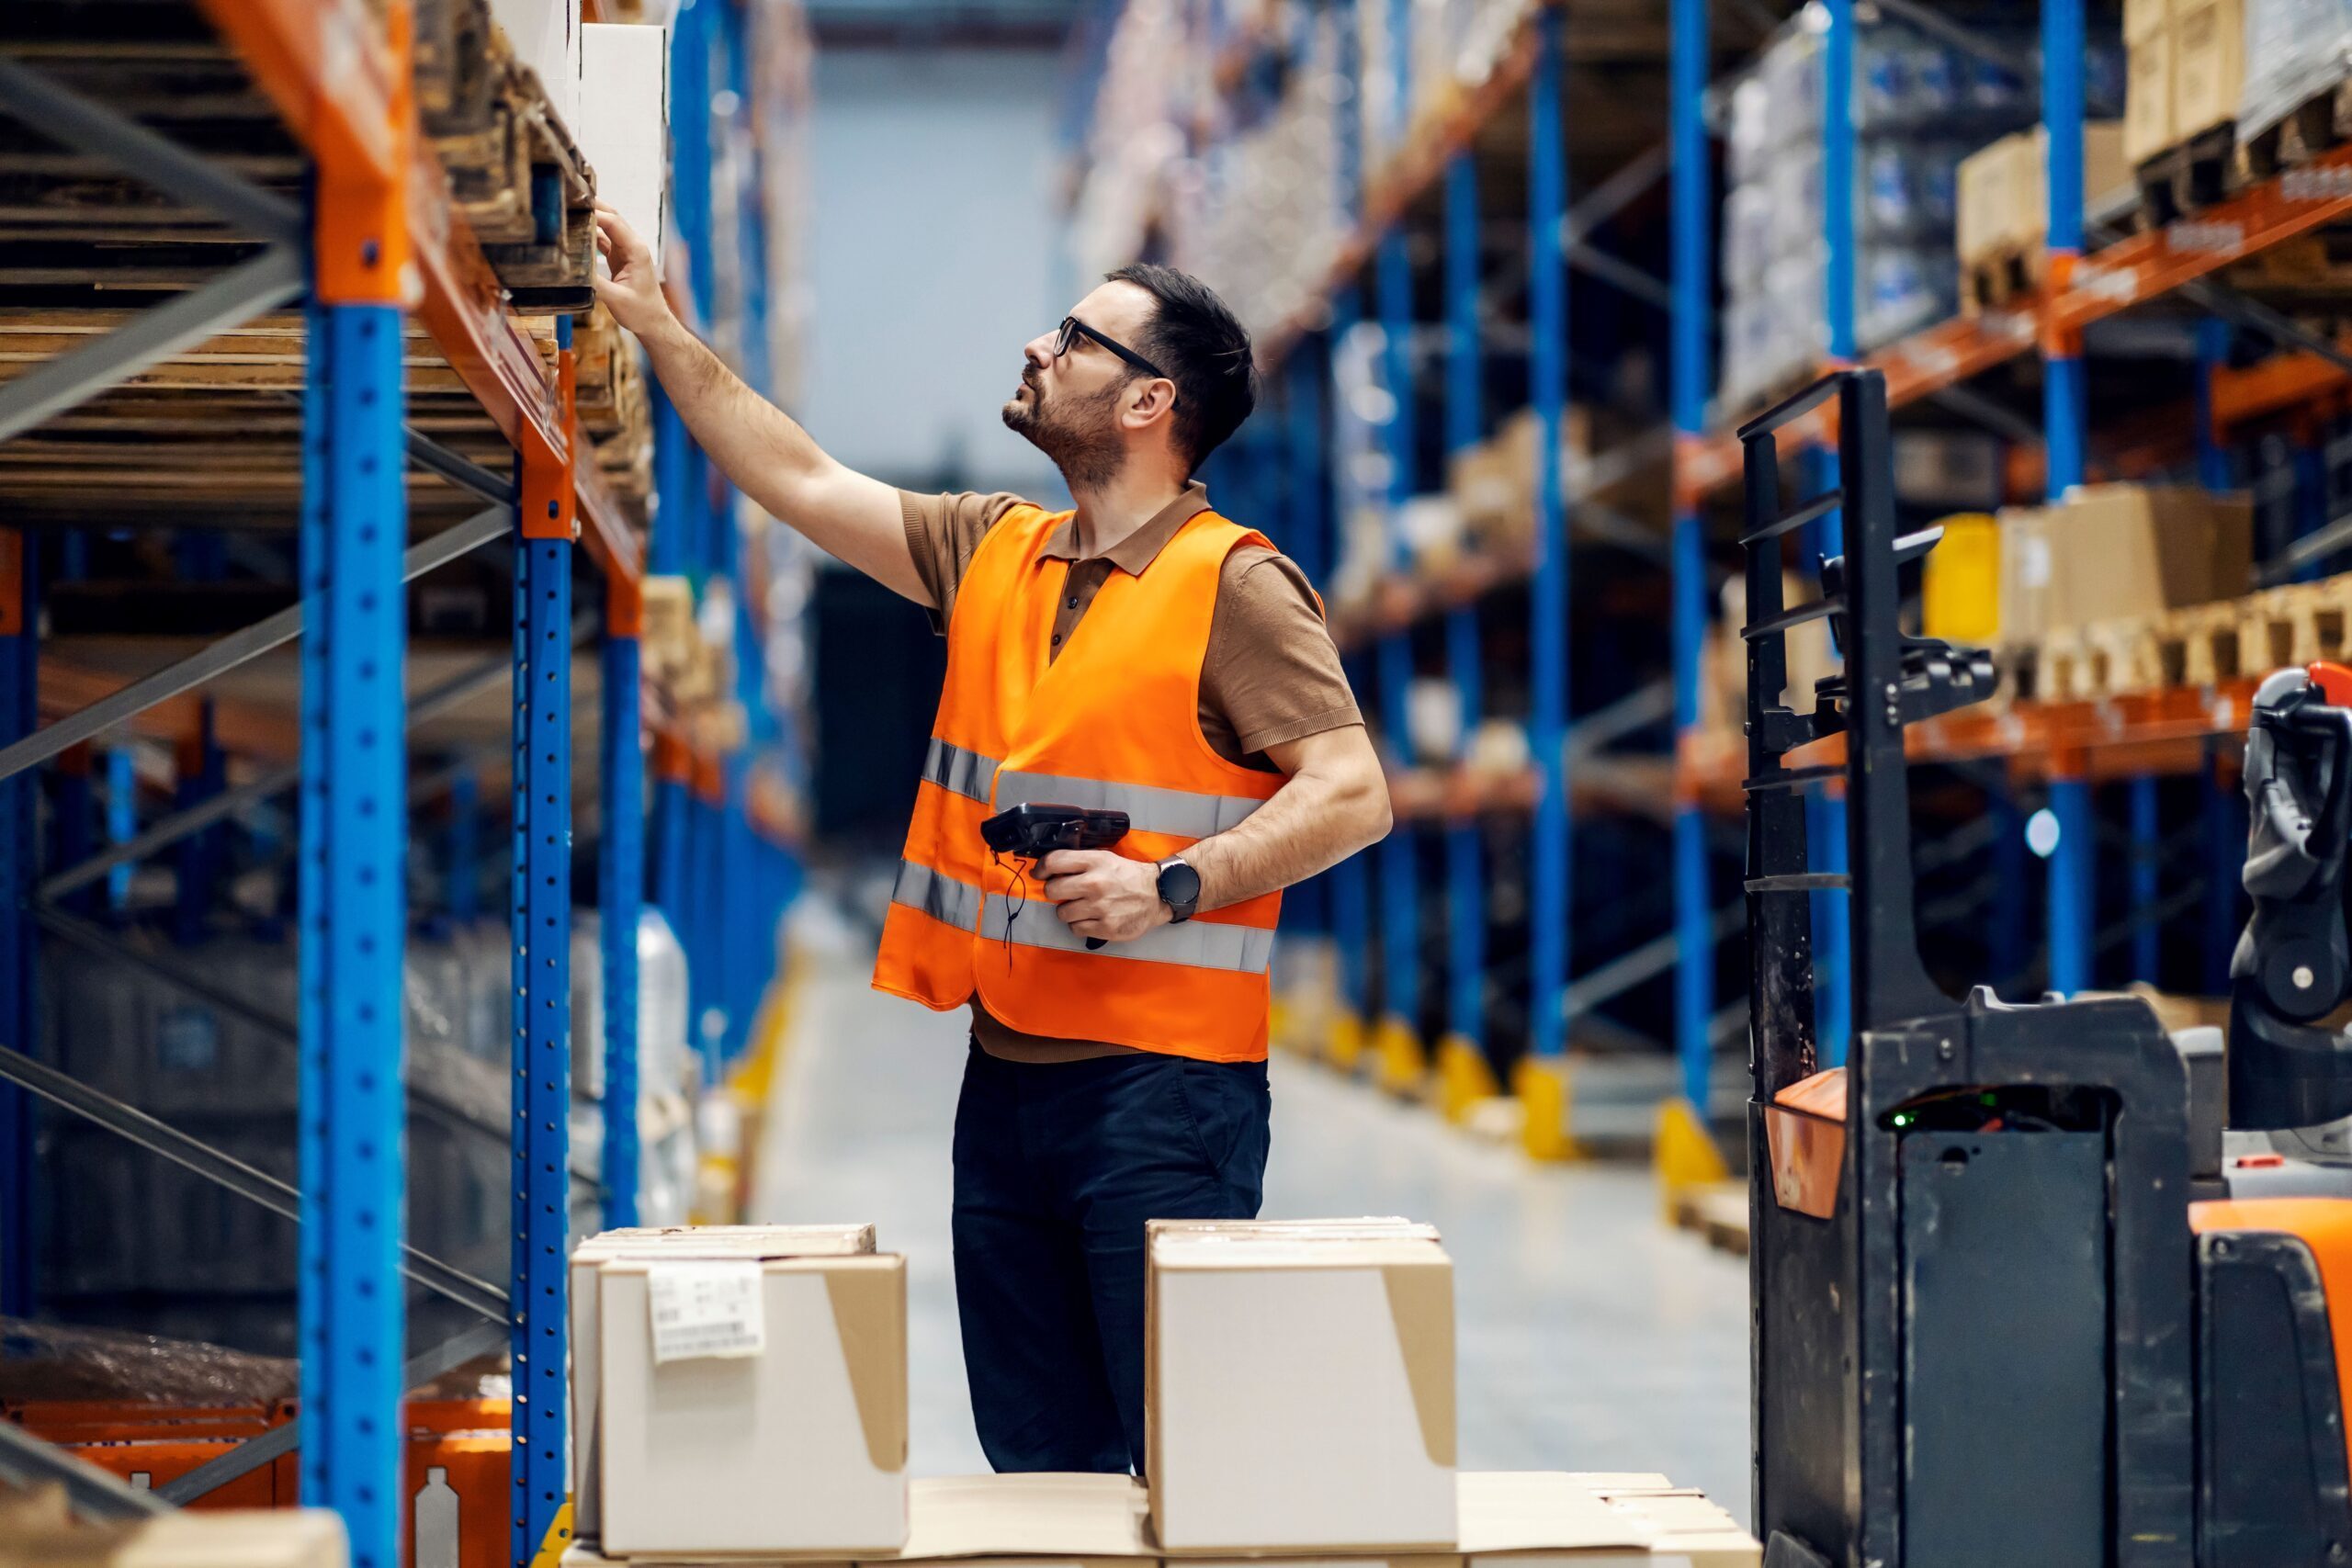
<point>1592,1335</point>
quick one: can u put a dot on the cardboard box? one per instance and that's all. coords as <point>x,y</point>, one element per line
<point>2143,18</point>
<point>1366,1226</point>
<point>2121,552</point>
<point>2208,64</point>
<point>1299,1393</point>
<point>2149,116</point>
<point>624,126</point>
<point>1983,202</point>
<point>2027,570</point>
<point>2104,169</point>
<point>287,1538</point>
<point>796,1448</point>
<point>587,1317</point>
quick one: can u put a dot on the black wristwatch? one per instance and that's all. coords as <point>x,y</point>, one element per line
<point>1180,889</point>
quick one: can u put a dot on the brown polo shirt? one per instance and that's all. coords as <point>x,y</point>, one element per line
<point>1271,675</point>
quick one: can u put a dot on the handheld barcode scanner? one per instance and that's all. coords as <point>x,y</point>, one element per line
<point>1032,831</point>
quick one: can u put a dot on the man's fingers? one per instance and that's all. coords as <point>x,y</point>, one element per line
<point>1068,862</point>
<point>1078,912</point>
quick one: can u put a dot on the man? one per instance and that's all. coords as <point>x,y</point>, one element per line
<point>1140,653</point>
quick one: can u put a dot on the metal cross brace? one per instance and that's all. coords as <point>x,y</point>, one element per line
<point>1653,958</point>
<point>279,1198</point>
<point>167,831</point>
<point>94,939</point>
<point>238,647</point>
<point>89,1491</point>
<point>479,1339</point>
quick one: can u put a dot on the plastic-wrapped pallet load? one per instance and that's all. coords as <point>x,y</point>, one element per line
<point>2295,51</point>
<point>850,1359</point>
<point>1298,1389</point>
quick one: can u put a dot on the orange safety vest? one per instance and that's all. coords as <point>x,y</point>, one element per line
<point>1112,722</point>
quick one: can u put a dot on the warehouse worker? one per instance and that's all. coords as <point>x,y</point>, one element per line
<point>1140,653</point>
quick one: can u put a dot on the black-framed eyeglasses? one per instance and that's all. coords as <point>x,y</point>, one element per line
<point>1072,329</point>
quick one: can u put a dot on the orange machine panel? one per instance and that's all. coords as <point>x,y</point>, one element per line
<point>2324,1225</point>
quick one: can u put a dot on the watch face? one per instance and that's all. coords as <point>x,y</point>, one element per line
<point>1178,884</point>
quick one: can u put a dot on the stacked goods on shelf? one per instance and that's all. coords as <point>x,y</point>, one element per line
<point>1277,222</point>
<point>37,1531</point>
<point>136,1239</point>
<point>497,98</point>
<point>2004,209</point>
<point>2121,589</point>
<point>2296,99</point>
<point>1920,105</point>
<point>1261,211</point>
<point>740,1390</point>
<point>1722,665</point>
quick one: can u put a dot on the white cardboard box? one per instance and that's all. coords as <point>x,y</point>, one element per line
<point>623,128</point>
<point>799,1448</point>
<point>1299,1394</point>
<point>587,1320</point>
<point>545,36</point>
<point>259,1538</point>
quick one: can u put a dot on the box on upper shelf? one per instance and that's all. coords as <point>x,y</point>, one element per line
<point>2121,551</point>
<point>2208,64</point>
<point>624,131</point>
<point>2004,189</point>
<point>1299,1391</point>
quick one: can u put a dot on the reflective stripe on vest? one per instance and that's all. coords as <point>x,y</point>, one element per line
<point>1180,813</point>
<point>937,895</point>
<point>963,773</point>
<point>1203,944</point>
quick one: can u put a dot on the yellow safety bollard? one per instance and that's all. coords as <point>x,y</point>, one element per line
<point>1684,1154</point>
<point>1399,1067</point>
<point>1544,1089</point>
<point>1463,1076</point>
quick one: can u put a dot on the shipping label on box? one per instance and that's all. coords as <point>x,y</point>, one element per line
<point>800,1450</point>
<point>1299,1394</point>
<point>587,1319</point>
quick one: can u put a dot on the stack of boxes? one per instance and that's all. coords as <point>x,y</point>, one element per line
<point>2092,591</point>
<point>2004,217</point>
<point>2185,68</point>
<point>741,1392</point>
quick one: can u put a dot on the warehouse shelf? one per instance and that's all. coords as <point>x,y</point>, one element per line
<point>360,373</point>
<point>2131,272</point>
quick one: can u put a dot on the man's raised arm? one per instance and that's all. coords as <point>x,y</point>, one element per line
<point>756,445</point>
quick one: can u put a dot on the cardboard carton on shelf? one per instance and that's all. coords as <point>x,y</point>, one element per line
<point>2208,64</point>
<point>2124,552</point>
<point>2004,191</point>
<point>2150,120</point>
<point>781,1429</point>
<point>624,126</point>
<point>2023,615</point>
<point>1299,1393</point>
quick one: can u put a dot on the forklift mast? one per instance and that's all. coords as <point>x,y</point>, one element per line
<point>1970,1257</point>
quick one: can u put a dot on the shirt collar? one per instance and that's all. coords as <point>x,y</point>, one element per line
<point>1140,548</point>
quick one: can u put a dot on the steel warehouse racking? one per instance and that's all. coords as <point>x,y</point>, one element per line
<point>1498,122</point>
<point>285,137</point>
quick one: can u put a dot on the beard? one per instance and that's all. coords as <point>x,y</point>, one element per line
<point>1076,432</point>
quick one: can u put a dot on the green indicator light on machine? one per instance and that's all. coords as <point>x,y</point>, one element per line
<point>1902,1119</point>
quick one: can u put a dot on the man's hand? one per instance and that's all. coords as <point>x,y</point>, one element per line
<point>633,291</point>
<point>1099,894</point>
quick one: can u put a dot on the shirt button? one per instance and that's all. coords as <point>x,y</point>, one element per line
<point>1057,639</point>
<point>1073,602</point>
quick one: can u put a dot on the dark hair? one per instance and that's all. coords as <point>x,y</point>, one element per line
<point>1204,350</point>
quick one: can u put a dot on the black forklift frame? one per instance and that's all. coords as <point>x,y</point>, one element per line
<point>1833,1311</point>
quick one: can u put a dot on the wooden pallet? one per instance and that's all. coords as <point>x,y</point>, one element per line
<point>2318,123</point>
<point>1997,278</point>
<point>2182,181</point>
<point>1718,1211</point>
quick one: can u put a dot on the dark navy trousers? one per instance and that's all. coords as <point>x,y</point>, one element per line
<point>1057,1166</point>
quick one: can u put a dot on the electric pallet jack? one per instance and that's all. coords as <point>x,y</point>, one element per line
<point>2011,1308</point>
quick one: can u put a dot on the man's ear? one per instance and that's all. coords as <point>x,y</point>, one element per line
<point>1152,397</point>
